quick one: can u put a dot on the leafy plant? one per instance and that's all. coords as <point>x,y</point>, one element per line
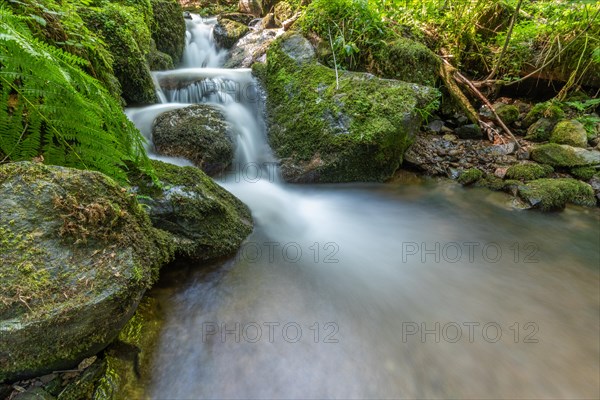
<point>51,109</point>
<point>354,27</point>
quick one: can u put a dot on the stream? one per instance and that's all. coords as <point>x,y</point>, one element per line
<point>412,289</point>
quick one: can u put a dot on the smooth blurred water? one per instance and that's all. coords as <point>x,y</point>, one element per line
<point>373,291</point>
<point>362,290</point>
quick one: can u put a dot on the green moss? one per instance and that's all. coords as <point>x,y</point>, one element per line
<point>407,60</point>
<point>556,155</point>
<point>227,32</point>
<point>571,132</point>
<point>358,132</point>
<point>549,110</point>
<point>470,176</point>
<point>540,130</point>
<point>554,194</point>
<point>125,31</point>
<point>584,173</point>
<point>508,113</point>
<point>159,61</point>
<point>529,171</point>
<point>206,221</point>
<point>169,28</point>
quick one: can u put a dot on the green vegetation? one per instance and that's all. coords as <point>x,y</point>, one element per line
<point>52,109</point>
<point>66,64</point>
<point>547,35</point>
<point>354,129</point>
<point>470,176</point>
<point>529,171</point>
<point>584,173</point>
<point>554,194</point>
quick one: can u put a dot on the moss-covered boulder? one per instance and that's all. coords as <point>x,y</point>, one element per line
<point>585,173</point>
<point>169,28</point>
<point>358,131</point>
<point>554,194</point>
<point>528,171</point>
<point>561,155</point>
<point>228,31</point>
<point>508,113</point>
<point>540,130</point>
<point>127,34</point>
<point>571,132</point>
<point>76,254</point>
<point>206,221</point>
<point>470,176</point>
<point>549,110</point>
<point>199,133</point>
<point>406,60</point>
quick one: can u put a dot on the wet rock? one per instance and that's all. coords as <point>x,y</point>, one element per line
<point>554,194</point>
<point>561,155</point>
<point>199,133</point>
<point>500,172</point>
<point>34,394</point>
<point>528,171</point>
<point>595,184</point>
<point>251,48</point>
<point>322,133</point>
<point>470,131</point>
<point>540,130</point>
<point>508,113</point>
<point>470,176</point>
<point>253,7</point>
<point>169,29</point>
<point>269,22</point>
<point>205,220</point>
<point>227,32</point>
<point>503,149</point>
<point>435,126</point>
<point>76,255</point>
<point>571,132</point>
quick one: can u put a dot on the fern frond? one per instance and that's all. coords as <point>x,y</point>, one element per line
<point>49,106</point>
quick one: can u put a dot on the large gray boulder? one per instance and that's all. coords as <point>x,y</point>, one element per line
<point>251,48</point>
<point>562,155</point>
<point>205,220</point>
<point>199,133</point>
<point>77,253</point>
<point>325,132</point>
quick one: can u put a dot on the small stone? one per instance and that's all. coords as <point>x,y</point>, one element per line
<point>462,120</point>
<point>501,172</point>
<point>435,126</point>
<point>523,155</point>
<point>450,138</point>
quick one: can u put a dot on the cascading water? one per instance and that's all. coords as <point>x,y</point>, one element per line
<point>378,291</point>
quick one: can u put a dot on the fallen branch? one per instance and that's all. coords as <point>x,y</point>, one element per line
<point>449,70</point>
<point>461,79</point>
<point>446,73</point>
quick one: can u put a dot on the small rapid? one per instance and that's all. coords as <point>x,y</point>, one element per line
<point>413,289</point>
